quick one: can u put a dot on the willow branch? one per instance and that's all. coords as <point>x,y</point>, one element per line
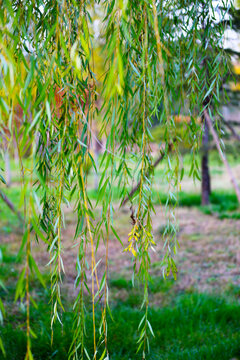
<point>136,187</point>
<point>234,133</point>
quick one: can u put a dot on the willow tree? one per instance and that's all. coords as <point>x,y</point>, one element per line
<point>150,58</point>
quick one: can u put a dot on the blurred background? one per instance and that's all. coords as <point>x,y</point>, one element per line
<point>196,315</point>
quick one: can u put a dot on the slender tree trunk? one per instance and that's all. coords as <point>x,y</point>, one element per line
<point>7,168</point>
<point>206,180</point>
<point>223,157</point>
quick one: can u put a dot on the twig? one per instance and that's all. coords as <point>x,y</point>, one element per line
<point>234,133</point>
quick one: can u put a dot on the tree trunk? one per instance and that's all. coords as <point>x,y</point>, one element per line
<point>206,180</point>
<point>223,157</point>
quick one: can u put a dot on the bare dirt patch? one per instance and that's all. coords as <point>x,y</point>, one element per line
<point>208,258</point>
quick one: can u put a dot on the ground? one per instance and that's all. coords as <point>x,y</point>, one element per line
<point>195,317</point>
<point>208,256</point>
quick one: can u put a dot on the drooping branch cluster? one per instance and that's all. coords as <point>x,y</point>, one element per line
<point>146,66</point>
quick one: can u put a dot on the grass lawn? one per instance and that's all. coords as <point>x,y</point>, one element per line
<point>187,324</point>
<point>195,317</point>
<point>193,326</point>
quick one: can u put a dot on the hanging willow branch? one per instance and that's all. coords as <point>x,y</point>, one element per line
<point>156,163</point>
<point>55,98</point>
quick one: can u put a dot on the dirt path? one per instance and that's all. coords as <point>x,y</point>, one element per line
<point>208,258</point>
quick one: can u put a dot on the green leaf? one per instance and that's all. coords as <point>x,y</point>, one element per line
<point>35,121</point>
<point>115,233</point>
<point>2,179</point>
<point>37,272</point>
<point>102,191</point>
<point>2,347</point>
<point>20,288</point>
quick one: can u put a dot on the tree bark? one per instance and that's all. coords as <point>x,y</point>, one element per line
<point>224,159</point>
<point>206,180</point>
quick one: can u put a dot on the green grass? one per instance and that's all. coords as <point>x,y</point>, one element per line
<point>9,220</point>
<point>121,283</point>
<point>223,204</point>
<point>220,201</point>
<point>193,326</point>
<point>156,284</point>
<point>8,271</point>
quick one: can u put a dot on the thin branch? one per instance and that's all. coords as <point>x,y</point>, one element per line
<point>234,133</point>
<point>224,159</point>
<point>136,187</point>
<point>11,206</point>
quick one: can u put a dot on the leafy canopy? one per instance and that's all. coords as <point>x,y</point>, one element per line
<point>155,62</point>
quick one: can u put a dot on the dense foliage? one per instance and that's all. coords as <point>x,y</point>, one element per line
<point>155,65</point>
